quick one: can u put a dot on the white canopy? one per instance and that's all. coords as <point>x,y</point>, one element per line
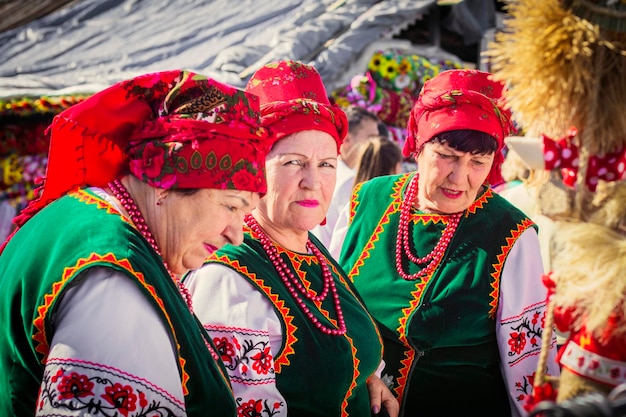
<point>90,44</point>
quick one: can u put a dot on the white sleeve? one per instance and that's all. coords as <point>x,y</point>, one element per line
<point>245,329</point>
<point>520,318</point>
<point>341,197</point>
<point>108,338</point>
<point>340,231</point>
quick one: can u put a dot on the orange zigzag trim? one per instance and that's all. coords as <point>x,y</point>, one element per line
<point>409,357</point>
<point>354,350</point>
<point>39,336</point>
<point>355,360</point>
<point>85,197</point>
<point>282,358</point>
<point>401,330</point>
<point>42,347</point>
<point>479,202</point>
<point>394,207</point>
<point>297,260</point>
<point>355,374</point>
<point>353,202</point>
<point>497,267</point>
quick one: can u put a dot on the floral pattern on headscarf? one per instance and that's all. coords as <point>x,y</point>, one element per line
<point>460,99</point>
<point>172,129</point>
<point>293,98</point>
<point>193,144</point>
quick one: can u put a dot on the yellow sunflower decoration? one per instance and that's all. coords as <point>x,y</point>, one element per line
<point>395,71</point>
<point>390,85</point>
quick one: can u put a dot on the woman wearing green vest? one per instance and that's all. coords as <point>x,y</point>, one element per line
<point>292,332</point>
<point>145,179</point>
<point>450,270</point>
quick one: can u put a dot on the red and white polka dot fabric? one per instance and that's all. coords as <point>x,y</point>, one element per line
<point>563,154</point>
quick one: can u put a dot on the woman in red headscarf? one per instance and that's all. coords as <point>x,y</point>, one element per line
<point>294,336</point>
<point>450,270</point>
<point>145,180</point>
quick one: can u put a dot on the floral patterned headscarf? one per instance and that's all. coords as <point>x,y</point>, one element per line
<point>460,99</point>
<point>293,98</point>
<point>172,129</point>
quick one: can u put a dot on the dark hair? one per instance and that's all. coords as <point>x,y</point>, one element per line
<point>185,191</point>
<point>356,115</point>
<point>467,140</point>
<point>378,156</point>
<point>383,130</point>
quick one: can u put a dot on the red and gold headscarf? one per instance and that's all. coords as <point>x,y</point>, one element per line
<point>460,99</point>
<point>293,98</point>
<point>172,129</point>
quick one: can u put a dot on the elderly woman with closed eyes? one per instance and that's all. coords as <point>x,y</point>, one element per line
<point>145,179</point>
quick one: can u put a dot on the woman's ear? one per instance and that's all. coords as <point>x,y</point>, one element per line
<point>161,194</point>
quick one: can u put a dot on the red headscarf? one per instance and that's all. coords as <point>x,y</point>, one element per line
<point>293,99</point>
<point>460,99</point>
<point>173,129</point>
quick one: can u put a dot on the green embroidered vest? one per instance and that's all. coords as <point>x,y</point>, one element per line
<point>41,261</point>
<point>318,374</point>
<point>438,330</point>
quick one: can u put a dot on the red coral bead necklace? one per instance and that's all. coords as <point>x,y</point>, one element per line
<point>293,284</point>
<point>402,241</point>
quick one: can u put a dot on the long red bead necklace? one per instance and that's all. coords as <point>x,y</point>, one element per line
<point>402,241</point>
<point>121,193</point>
<point>293,284</point>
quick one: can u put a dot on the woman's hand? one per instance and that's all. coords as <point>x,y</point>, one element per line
<point>381,397</point>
